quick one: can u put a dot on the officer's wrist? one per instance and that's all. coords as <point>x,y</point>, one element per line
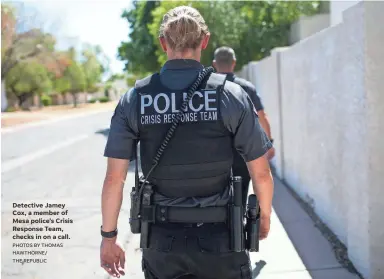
<point>265,212</point>
<point>108,233</point>
<point>110,240</point>
<point>265,216</point>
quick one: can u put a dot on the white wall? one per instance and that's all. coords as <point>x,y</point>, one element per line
<point>338,7</point>
<point>307,26</point>
<point>324,97</point>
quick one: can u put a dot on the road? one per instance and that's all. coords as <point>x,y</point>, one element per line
<point>62,162</point>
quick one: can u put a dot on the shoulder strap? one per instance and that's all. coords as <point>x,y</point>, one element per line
<point>143,82</point>
<point>217,79</point>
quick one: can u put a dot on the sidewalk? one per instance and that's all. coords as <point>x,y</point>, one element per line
<point>13,119</point>
<point>295,248</point>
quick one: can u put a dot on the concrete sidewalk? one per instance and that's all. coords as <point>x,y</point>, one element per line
<point>19,119</point>
<point>295,248</point>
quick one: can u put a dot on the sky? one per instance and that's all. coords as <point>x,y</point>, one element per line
<point>86,21</point>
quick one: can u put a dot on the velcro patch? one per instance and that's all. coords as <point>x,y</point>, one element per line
<point>161,108</point>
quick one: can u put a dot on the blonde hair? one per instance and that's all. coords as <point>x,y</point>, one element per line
<point>183,28</point>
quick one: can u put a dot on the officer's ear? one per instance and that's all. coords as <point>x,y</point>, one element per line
<point>233,64</point>
<point>204,42</point>
<point>214,64</point>
<point>163,44</point>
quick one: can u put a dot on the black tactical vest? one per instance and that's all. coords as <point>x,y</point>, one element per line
<point>198,159</point>
<point>239,165</point>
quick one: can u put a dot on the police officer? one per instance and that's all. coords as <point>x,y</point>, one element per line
<point>224,63</point>
<point>193,173</point>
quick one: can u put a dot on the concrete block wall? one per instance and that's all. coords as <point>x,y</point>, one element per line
<point>324,97</point>
<point>267,80</point>
<point>307,26</point>
<point>374,82</point>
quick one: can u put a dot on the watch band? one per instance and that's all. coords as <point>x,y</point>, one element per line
<point>271,140</point>
<point>111,234</point>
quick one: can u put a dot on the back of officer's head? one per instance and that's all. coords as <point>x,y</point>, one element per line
<point>224,59</point>
<point>183,28</point>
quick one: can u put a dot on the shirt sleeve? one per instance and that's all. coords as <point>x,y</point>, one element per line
<point>123,133</point>
<point>240,118</point>
<point>251,90</point>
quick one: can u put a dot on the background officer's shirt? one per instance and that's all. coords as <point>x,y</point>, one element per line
<point>238,162</point>
<point>249,88</point>
<point>236,108</point>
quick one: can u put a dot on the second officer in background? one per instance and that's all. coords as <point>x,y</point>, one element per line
<point>224,63</point>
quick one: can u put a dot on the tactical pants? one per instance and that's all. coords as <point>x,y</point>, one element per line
<point>181,252</point>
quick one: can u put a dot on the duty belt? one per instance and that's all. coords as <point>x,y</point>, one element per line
<point>172,214</point>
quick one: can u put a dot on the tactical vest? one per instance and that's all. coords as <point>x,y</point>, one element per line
<point>239,165</point>
<point>198,159</point>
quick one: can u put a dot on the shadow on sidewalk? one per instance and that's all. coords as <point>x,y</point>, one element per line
<point>104,132</point>
<point>319,250</point>
<point>323,255</point>
<point>259,266</point>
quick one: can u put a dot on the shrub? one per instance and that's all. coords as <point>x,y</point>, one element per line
<point>103,99</point>
<point>92,101</point>
<point>46,100</point>
<point>10,109</point>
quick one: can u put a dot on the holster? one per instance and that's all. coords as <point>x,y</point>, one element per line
<point>252,226</point>
<point>141,202</point>
<point>134,219</point>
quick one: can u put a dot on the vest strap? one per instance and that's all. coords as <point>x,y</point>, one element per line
<point>218,79</point>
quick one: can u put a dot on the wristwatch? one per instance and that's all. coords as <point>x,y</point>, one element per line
<point>111,234</point>
<point>271,140</point>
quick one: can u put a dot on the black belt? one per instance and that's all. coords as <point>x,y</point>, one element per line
<point>173,214</point>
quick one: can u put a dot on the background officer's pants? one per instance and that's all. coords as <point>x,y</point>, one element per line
<point>202,252</point>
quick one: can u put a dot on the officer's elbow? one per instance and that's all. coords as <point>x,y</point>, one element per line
<point>116,172</point>
<point>259,170</point>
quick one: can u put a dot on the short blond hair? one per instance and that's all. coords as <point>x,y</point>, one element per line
<point>183,28</point>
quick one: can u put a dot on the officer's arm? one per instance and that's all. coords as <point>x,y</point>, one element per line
<point>264,122</point>
<point>120,150</point>
<point>263,119</point>
<point>251,142</point>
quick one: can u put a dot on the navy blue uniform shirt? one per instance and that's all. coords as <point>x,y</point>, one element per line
<point>249,88</point>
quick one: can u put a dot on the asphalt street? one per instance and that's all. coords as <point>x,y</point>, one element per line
<point>63,163</point>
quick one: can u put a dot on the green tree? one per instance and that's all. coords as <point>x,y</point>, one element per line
<point>251,28</point>
<point>114,77</point>
<point>26,79</point>
<point>92,68</point>
<point>225,25</point>
<point>8,25</point>
<point>139,52</point>
<point>19,47</point>
<point>269,24</point>
<point>61,85</point>
<point>76,79</point>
